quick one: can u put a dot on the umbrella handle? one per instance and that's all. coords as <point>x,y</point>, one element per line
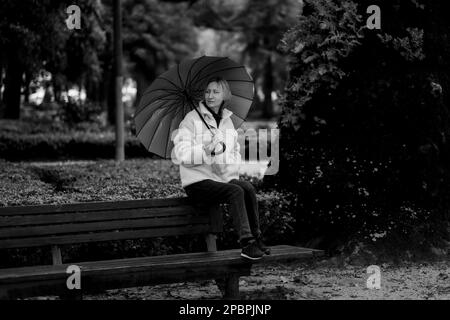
<point>224,147</point>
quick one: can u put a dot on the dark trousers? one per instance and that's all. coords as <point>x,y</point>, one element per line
<point>239,195</point>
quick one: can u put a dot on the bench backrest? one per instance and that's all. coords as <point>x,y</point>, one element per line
<point>31,226</point>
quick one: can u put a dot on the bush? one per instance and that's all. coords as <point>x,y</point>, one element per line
<point>276,221</point>
<point>66,145</point>
<point>73,112</point>
<point>366,123</point>
<point>28,184</point>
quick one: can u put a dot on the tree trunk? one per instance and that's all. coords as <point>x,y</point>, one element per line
<point>80,88</point>
<point>268,88</point>
<point>13,83</point>
<point>2,111</point>
<point>118,82</point>
<point>48,95</point>
<point>1,86</point>
<point>93,92</point>
<point>27,87</point>
<point>103,90</point>
<point>56,90</point>
<point>110,100</point>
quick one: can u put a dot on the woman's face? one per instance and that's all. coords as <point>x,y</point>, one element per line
<point>214,95</point>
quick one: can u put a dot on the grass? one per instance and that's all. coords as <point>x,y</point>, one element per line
<point>28,183</point>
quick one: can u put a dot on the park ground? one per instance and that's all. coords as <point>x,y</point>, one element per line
<point>327,279</point>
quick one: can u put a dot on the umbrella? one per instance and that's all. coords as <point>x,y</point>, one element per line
<point>177,91</point>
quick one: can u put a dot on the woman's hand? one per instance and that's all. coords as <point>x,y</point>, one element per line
<point>217,139</point>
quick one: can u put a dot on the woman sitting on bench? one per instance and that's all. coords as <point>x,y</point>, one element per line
<point>207,150</point>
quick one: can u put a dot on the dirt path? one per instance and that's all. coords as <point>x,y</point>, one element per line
<point>315,280</point>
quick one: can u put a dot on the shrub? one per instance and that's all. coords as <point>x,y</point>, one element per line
<point>276,220</point>
<point>73,112</point>
<point>66,145</point>
<point>28,184</point>
<point>366,124</point>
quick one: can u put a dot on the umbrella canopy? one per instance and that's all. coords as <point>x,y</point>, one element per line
<point>177,91</point>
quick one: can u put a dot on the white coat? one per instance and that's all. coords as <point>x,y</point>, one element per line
<point>189,140</point>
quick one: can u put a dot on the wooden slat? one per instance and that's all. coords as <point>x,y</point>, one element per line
<point>124,273</point>
<point>102,236</point>
<point>21,232</point>
<point>93,206</point>
<point>165,262</point>
<point>56,218</point>
<point>57,286</point>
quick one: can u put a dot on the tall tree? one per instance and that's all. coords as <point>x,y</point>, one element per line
<point>34,36</point>
<point>118,81</point>
<point>83,49</point>
<point>25,38</point>
<point>262,24</point>
<point>156,34</point>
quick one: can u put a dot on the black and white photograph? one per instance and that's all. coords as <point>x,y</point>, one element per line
<point>230,156</point>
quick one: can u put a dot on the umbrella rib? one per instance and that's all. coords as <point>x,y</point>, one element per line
<point>190,69</point>
<point>220,70</point>
<point>203,68</point>
<point>163,96</point>
<point>171,83</point>
<point>161,89</point>
<point>151,140</point>
<point>169,99</point>
<point>170,129</point>
<point>239,117</point>
<point>160,98</point>
<point>159,124</point>
<point>160,107</point>
<point>179,76</point>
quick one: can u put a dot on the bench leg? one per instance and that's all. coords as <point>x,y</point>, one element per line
<point>232,287</point>
<point>220,283</point>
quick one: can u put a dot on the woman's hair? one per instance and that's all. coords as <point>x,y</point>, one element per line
<point>225,86</point>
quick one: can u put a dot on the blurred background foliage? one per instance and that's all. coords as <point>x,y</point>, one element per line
<point>57,66</point>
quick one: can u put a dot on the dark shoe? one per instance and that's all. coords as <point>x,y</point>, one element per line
<point>251,251</point>
<point>262,246</point>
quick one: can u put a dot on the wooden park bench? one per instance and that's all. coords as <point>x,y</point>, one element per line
<point>54,226</point>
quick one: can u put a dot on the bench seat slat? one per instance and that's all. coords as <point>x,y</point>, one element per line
<point>103,236</point>
<point>57,218</point>
<point>93,206</point>
<point>45,230</point>
<point>52,287</point>
<point>165,262</point>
